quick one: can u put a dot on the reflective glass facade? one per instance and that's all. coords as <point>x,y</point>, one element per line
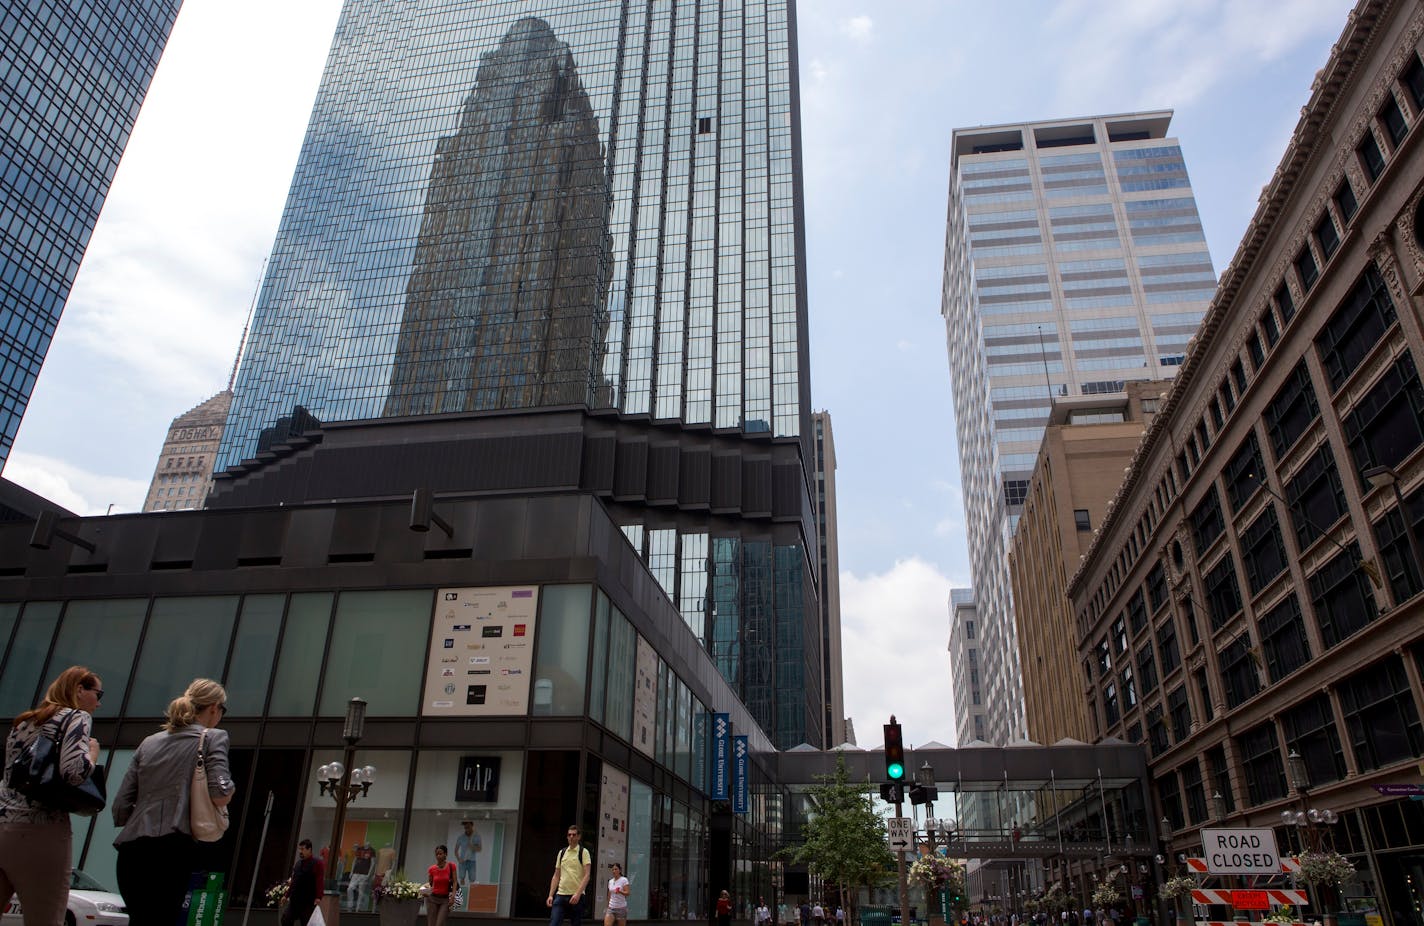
<point>1076,262</point>
<point>72,77</point>
<point>540,203</point>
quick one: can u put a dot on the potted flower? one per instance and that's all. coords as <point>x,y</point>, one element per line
<point>1106,894</point>
<point>1174,891</point>
<point>1283,915</point>
<point>277,893</point>
<point>1325,871</point>
<point>397,900</point>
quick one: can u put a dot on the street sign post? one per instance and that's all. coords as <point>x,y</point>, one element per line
<point>900,835</point>
<point>1240,851</point>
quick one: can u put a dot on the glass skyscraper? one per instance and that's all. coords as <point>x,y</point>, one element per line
<point>1075,262</point>
<point>508,207</point>
<point>72,77</point>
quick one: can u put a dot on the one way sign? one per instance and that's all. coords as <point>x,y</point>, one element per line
<point>900,836</point>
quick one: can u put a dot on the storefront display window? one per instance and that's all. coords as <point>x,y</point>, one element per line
<point>250,670</point>
<point>640,845</point>
<point>378,652</point>
<point>303,644</point>
<point>21,677</point>
<point>187,638</point>
<point>468,801</point>
<point>561,667</point>
<point>102,635</point>
<point>370,834</point>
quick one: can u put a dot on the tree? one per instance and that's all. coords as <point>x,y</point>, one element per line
<point>844,839</point>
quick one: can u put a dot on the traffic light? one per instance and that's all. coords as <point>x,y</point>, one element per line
<point>894,751</point>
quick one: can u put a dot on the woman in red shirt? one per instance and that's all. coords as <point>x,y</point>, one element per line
<point>724,909</point>
<point>444,881</point>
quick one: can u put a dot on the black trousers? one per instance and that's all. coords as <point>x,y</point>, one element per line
<point>153,874</point>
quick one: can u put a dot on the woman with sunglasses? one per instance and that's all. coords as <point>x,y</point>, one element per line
<point>34,839</point>
<point>156,845</point>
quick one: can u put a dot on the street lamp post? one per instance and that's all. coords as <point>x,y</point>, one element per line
<point>1307,820</point>
<point>345,784</point>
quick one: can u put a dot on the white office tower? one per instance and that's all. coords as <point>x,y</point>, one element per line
<point>1074,262</point>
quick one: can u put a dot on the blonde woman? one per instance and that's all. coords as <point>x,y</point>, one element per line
<point>34,839</point>
<point>156,845</point>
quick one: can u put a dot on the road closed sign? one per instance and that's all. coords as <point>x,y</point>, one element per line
<point>1241,852</point>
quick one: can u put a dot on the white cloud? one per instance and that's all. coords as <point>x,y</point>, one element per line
<point>858,29</point>
<point>80,490</point>
<point>894,639</point>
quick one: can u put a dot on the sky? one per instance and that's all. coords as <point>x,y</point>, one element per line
<point>152,326</point>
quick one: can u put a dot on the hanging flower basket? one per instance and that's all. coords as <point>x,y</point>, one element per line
<point>1324,867</point>
<point>936,871</point>
<point>1106,894</point>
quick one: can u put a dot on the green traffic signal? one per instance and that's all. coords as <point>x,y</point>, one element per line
<point>895,770</point>
<point>894,751</point>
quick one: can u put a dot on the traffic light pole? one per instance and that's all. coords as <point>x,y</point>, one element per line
<point>904,880</point>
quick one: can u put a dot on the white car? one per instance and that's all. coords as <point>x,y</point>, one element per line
<point>90,904</point>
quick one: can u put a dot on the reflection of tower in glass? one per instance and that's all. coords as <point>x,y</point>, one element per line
<point>504,307</point>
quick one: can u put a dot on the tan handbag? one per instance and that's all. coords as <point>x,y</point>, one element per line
<point>207,820</point>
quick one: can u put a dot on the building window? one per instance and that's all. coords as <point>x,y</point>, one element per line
<point>1207,522</point>
<point>1315,496</point>
<point>704,125</point>
<point>1284,303</point>
<point>1015,491</point>
<point>1228,398</point>
<point>1283,639</point>
<point>1119,635</point>
<point>1371,158</point>
<point>1243,473</point>
<point>1253,347</point>
<point>1238,376</point>
<point>1146,669</point>
<point>1355,327</point>
<point>1195,793</point>
<point>1326,237</point>
<point>1171,800</point>
<point>1271,329</point>
<point>1223,594</point>
<point>1263,554</point>
<point>1413,81</point>
<point>1387,424</point>
<point>1157,736</point>
<point>1340,595</point>
<point>1345,201</point>
<point>1292,411</point>
<point>1395,550</point>
<point>1220,776</point>
<point>1167,646</point>
<point>1111,714</point>
<point>1380,715</point>
<point>1180,711</point>
<point>1156,587</point>
<point>1309,729</point>
<point>1129,690</point>
<point>1392,118</point>
<point>1307,271</point>
<point>969,630</point>
<point>1261,764</point>
<point>1239,678</point>
<point>1136,612</point>
<point>1104,657</point>
<point>1204,693</point>
<point>1081,520</point>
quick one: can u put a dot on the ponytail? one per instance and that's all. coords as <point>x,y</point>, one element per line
<point>183,710</point>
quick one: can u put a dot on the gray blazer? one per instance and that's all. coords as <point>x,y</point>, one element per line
<point>153,800</point>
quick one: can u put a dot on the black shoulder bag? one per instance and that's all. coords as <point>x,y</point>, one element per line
<point>35,773</point>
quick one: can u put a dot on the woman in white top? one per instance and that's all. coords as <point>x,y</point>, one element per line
<point>618,890</point>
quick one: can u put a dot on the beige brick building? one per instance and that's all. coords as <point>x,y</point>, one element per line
<point>184,473</point>
<point>1279,664</point>
<point>1088,441</point>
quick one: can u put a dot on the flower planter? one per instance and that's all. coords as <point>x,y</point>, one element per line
<point>398,912</point>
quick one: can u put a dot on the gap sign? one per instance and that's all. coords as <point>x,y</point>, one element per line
<point>1241,851</point>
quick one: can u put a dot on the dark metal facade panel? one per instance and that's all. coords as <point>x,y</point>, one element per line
<point>218,543</point>
<point>308,537</point>
<point>599,452</point>
<point>694,489</point>
<point>178,542</point>
<point>726,481</point>
<point>261,534</point>
<point>630,476</point>
<point>499,531</point>
<point>663,473</point>
<point>556,527</point>
<point>788,490</point>
<point>354,532</point>
<point>756,487</point>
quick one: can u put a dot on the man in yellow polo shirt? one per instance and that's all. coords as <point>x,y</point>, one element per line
<point>572,869</point>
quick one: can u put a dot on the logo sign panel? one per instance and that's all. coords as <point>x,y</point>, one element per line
<point>739,774</point>
<point>497,621</point>
<point>721,748</point>
<point>1240,851</point>
<point>478,779</point>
